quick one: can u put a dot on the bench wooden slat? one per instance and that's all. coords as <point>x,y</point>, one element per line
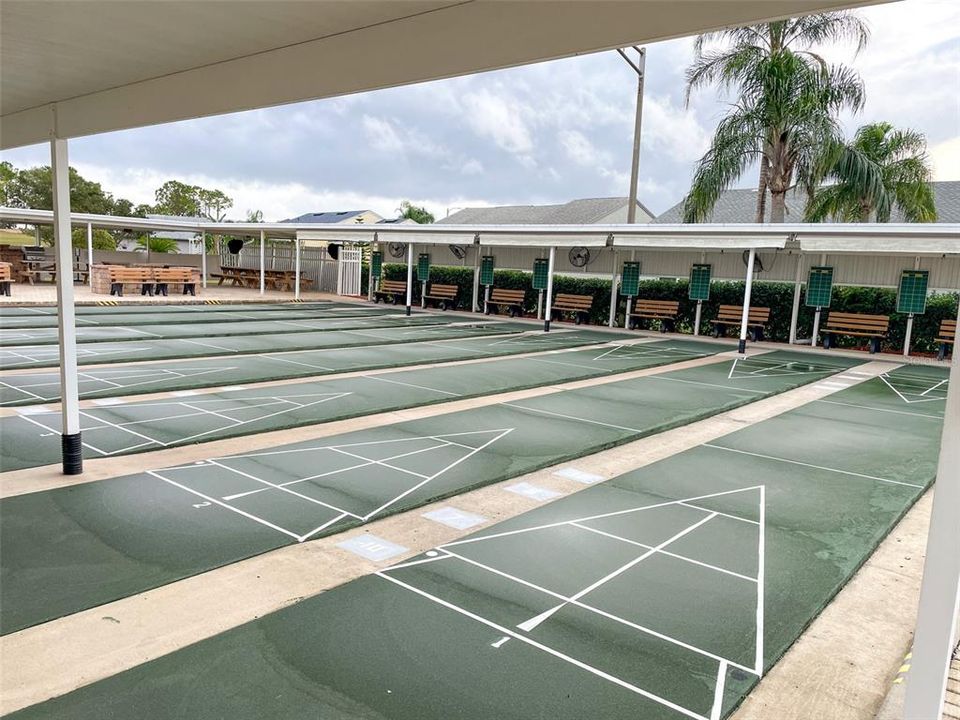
<point>948,332</point>
<point>566,301</point>
<point>441,292</point>
<point>503,296</point>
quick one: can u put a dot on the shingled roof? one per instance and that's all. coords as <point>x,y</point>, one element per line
<point>739,206</point>
<point>576,212</point>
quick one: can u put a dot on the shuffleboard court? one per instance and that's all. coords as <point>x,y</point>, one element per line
<point>148,316</point>
<point>32,437</point>
<point>24,356</point>
<point>30,388</point>
<point>68,549</point>
<point>113,307</point>
<point>663,594</point>
<point>104,333</point>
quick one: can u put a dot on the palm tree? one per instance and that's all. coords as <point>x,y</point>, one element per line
<point>158,244</point>
<point>883,167</point>
<point>784,116</point>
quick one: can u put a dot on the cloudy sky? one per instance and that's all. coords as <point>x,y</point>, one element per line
<point>538,134</point>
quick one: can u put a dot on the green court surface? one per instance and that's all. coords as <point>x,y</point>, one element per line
<point>129,379</point>
<point>199,306</point>
<point>24,356</point>
<point>150,316</point>
<point>10,337</point>
<point>665,593</point>
<point>32,437</point>
<point>68,549</point>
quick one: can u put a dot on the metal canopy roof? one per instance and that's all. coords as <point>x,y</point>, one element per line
<point>863,238</point>
<point>79,67</point>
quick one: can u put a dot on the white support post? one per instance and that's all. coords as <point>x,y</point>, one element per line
<point>696,318</point>
<point>263,274</point>
<point>486,299</point>
<point>549,307</point>
<point>203,259</point>
<point>476,279</point>
<point>795,312</point>
<point>908,335</point>
<point>745,320</point>
<point>36,235</point>
<point>71,445</point>
<point>940,589</point>
<point>296,269</point>
<point>374,246</point>
<point>612,320</point>
<point>90,254</point>
<point>816,314</point>
<point>409,276</point>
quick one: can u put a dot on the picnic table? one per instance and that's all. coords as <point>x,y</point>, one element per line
<point>250,278</point>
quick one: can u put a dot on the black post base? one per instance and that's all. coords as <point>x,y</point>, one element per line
<point>742,347</point>
<point>72,451</point>
<point>408,309</point>
<point>546,325</point>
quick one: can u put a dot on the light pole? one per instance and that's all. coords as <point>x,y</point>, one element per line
<point>639,67</point>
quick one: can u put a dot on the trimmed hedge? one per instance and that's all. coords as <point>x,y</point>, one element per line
<point>778,296</point>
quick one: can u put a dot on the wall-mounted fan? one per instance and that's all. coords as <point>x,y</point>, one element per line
<point>333,251</point>
<point>397,249</point>
<point>459,251</point>
<point>579,256</point>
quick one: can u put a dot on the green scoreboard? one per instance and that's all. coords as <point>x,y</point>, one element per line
<point>376,263</point>
<point>912,295</point>
<point>819,286</point>
<point>486,270</point>
<point>630,280</point>
<point>423,267</point>
<point>541,268</point>
<point>700,282</point>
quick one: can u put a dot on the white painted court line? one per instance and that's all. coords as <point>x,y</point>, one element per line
<point>539,619</point>
<point>877,409</point>
<point>684,558</point>
<point>213,500</point>
<point>728,388</point>
<point>717,708</point>
<point>381,378</point>
<point>598,516</point>
<point>572,417</point>
<point>545,648</point>
<point>809,465</point>
<point>106,402</point>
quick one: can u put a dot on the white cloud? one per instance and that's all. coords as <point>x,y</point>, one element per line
<point>499,119</point>
<point>946,159</point>
<point>381,135</point>
<point>581,150</point>
<point>673,130</point>
<point>472,167</point>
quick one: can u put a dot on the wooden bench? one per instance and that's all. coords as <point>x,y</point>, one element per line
<point>947,336</point>
<point>873,327</point>
<point>663,310</point>
<point>163,277</point>
<point>729,315</point>
<point>392,290</point>
<point>120,276</point>
<point>511,300</point>
<point>577,305</point>
<point>445,296</point>
<point>6,278</point>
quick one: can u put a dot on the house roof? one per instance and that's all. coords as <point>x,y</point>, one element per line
<point>739,206</point>
<point>326,217</point>
<point>576,212</point>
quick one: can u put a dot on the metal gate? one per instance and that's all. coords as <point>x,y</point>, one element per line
<point>348,270</point>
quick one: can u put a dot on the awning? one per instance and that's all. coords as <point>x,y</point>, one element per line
<point>544,241</point>
<point>701,242</point>
<point>370,234</point>
<point>943,245</point>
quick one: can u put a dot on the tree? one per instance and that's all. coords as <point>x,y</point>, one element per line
<point>416,213</point>
<point>213,204</point>
<point>158,244</point>
<point>883,167</point>
<point>102,240</point>
<point>7,174</point>
<point>32,188</point>
<point>784,115</point>
<point>177,198</point>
